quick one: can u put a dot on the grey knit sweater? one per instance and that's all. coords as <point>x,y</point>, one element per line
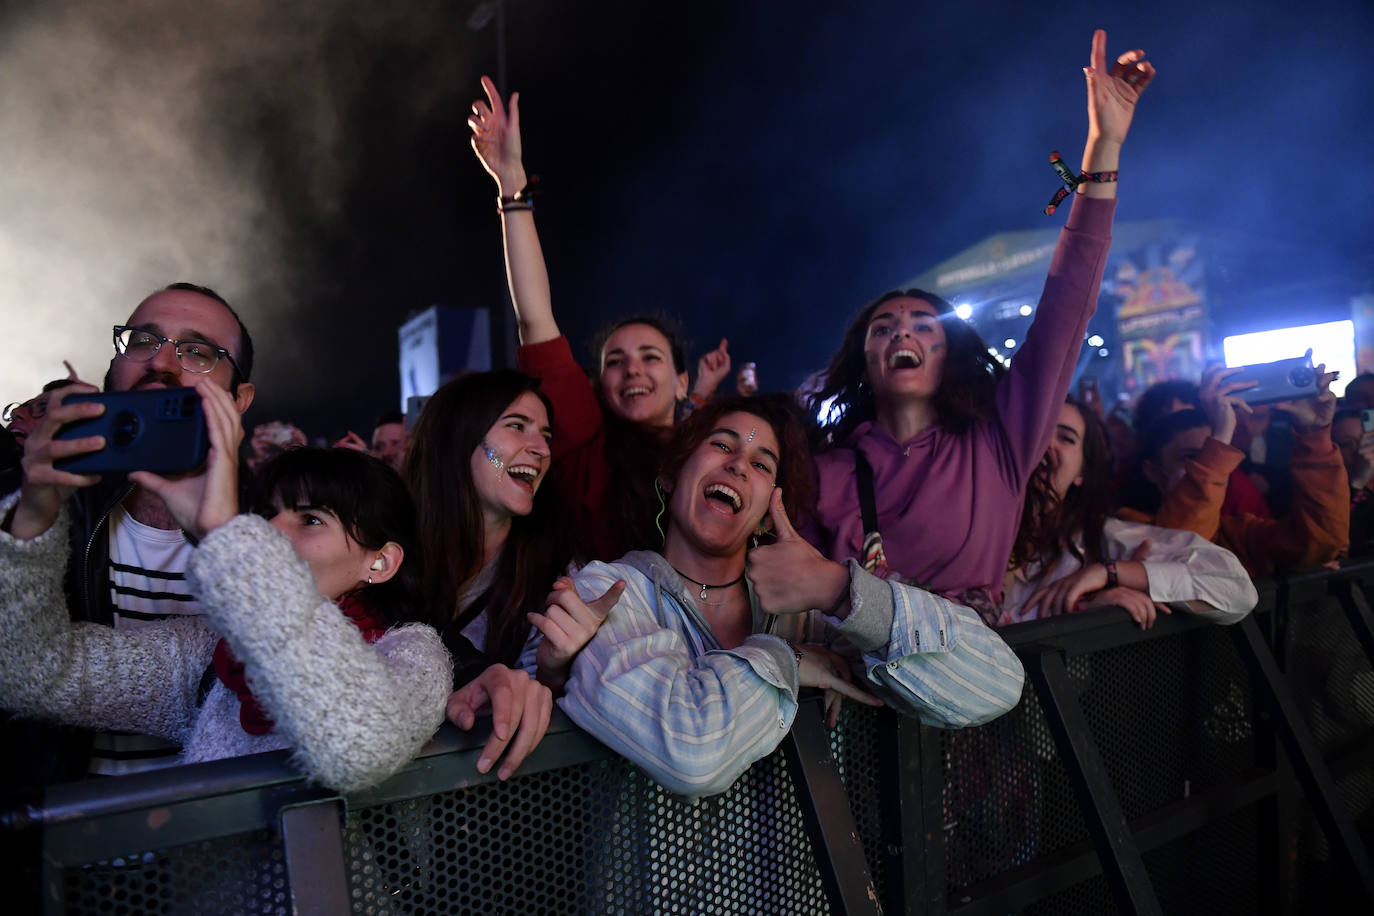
<point>353,712</point>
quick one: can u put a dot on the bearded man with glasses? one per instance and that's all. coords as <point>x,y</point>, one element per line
<point>128,556</point>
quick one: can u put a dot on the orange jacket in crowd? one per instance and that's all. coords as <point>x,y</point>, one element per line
<point>1316,530</point>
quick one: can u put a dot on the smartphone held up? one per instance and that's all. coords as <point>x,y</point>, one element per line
<point>160,430</point>
<point>1282,380</point>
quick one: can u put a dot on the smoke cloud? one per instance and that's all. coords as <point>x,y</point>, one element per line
<point>153,141</point>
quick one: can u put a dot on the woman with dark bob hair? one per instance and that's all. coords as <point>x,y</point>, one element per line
<point>1071,555</point>
<point>929,438</point>
<point>307,637</point>
<point>609,434</point>
<point>694,674</point>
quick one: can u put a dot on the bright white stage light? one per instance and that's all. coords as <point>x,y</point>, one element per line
<point>1332,343</point>
<point>964,310</point>
<point>1025,311</point>
<point>1009,342</point>
<point>1095,340</point>
<point>1103,352</point>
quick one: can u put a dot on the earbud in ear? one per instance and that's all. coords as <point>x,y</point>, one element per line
<point>378,564</point>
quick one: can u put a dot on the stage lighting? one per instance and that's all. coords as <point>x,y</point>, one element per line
<point>964,310</point>
<point>1025,311</point>
<point>1009,342</point>
<point>1095,340</point>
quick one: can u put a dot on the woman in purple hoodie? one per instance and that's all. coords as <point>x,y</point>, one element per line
<point>948,438</point>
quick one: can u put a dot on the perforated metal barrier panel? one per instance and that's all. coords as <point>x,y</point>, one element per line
<point>1174,718</point>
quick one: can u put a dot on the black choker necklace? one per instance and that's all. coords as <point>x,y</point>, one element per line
<point>704,586</point>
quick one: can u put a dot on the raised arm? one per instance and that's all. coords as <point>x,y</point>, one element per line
<point>1029,398</point>
<point>1112,96</point>
<point>496,140</point>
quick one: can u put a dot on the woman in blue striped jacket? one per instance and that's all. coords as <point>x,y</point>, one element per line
<point>694,673</point>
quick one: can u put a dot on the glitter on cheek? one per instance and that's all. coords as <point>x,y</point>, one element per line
<point>492,457</point>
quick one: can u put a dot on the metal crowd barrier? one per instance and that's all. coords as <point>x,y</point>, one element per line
<point>1188,768</point>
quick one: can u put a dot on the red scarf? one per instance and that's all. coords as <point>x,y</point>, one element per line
<point>230,672</point>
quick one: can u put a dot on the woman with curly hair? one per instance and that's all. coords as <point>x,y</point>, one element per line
<point>694,674</point>
<point>932,444</point>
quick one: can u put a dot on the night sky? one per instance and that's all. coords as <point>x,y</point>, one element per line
<point>758,169</point>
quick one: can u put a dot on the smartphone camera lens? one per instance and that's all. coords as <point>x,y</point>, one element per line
<point>1302,377</point>
<point>125,428</point>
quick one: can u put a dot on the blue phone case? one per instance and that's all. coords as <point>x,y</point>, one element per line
<point>158,429</point>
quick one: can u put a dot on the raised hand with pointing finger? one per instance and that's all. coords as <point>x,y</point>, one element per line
<point>568,623</point>
<point>712,369</point>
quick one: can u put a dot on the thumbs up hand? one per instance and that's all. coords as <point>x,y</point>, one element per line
<point>790,576</point>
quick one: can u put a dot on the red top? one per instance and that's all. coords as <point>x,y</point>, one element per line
<point>580,469</point>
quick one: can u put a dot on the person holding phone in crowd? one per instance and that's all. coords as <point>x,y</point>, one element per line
<point>304,619</point>
<point>1188,459</point>
<point>932,444</point>
<point>127,553</point>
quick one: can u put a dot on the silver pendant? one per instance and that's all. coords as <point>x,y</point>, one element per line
<point>703,593</point>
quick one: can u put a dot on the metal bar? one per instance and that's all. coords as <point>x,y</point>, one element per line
<point>825,810</point>
<point>1302,752</point>
<point>1356,608</point>
<point>911,785</point>
<point>1116,846</point>
<point>312,837</point>
<point>1023,886</point>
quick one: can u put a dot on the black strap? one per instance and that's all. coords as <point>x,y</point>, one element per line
<point>207,683</point>
<point>868,505</point>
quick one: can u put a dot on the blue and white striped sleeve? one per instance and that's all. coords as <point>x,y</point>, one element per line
<point>937,660</point>
<point>693,721</point>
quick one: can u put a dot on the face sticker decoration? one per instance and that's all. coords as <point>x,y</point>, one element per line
<point>752,433</point>
<point>492,458</point>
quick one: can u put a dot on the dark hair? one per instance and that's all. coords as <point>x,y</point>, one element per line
<point>660,323</point>
<point>371,502</point>
<point>1154,402</point>
<point>450,429</point>
<point>1163,430</point>
<point>391,416</point>
<point>633,452</point>
<point>780,412</point>
<point>1348,413</point>
<point>1049,523</point>
<point>966,389</point>
<point>244,357</point>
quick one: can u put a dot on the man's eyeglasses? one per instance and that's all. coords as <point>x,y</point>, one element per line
<point>37,409</point>
<point>141,345</point>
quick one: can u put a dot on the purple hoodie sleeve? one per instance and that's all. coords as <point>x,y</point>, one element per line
<point>1028,399</point>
